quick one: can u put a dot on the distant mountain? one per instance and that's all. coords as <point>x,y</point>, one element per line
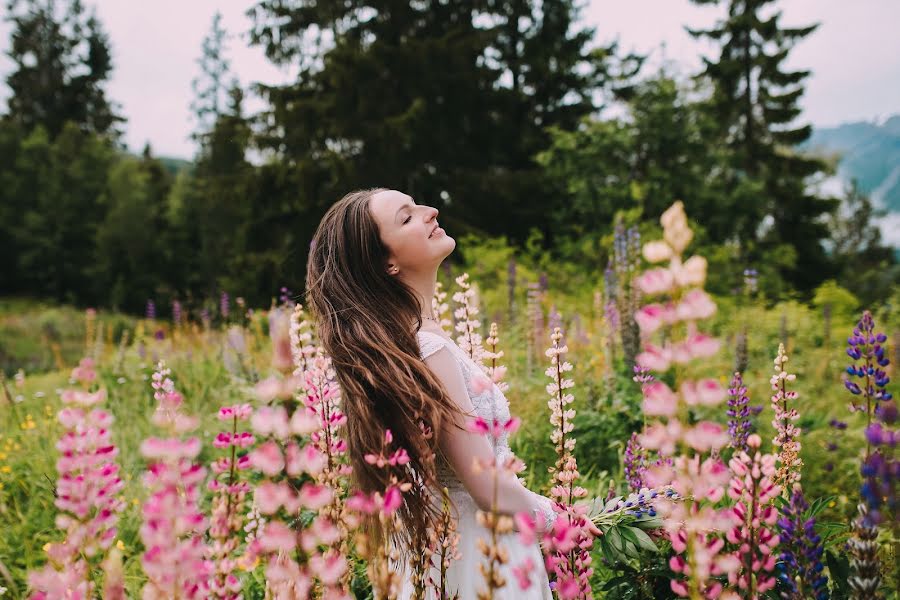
<point>869,153</point>
<point>175,165</point>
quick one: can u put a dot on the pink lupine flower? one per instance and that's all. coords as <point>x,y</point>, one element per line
<point>787,436</point>
<point>706,436</point>
<point>705,392</point>
<point>654,358</point>
<point>695,305</point>
<point>650,318</point>
<point>173,525</point>
<point>655,281</point>
<point>753,515</point>
<point>268,459</point>
<point>522,573</point>
<point>659,400</point>
<point>86,495</point>
<point>469,340</point>
<point>271,421</point>
<point>700,345</point>
<point>571,565</point>
<point>226,522</point>
<point>85,372</point>
<point>657,251</point>
<point>692,523</point>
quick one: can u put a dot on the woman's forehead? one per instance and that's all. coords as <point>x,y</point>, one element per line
<point>385,204</point>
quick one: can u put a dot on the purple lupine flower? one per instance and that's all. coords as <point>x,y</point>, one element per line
<point>176,312</point>
<point>151,310</point>
<point>224,305</point>
<point>642,374</point>
<point>285,295</point>
<point>739,412</point>
<point>635,463</point>
<point>801,568</point>
<point>879,467</point>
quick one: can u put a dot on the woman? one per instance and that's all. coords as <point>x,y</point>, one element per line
<point>370,281</point>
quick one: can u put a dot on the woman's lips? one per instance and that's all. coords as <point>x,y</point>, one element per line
<point>438,231</point>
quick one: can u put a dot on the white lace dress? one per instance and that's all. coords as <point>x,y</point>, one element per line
<point>463,575</point>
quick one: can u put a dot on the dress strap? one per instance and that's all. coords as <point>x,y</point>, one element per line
<point>429,343</point>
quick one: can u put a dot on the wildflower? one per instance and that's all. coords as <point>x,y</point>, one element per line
<point>439,307</point>
<point>866,570</point>
<point>753,515</point>
<point>692,524</point>
<point>151,310</point>
<point>879,465</point>
<point>224,305</point>
<point>87,491</point>
<point>570,564</point>
<point>176,313</point>
<point>494,370</point>
<point>787,434</point>
<point>173,525</point>
<point>227,505</point>
<point>469,339</point>
<point>739,412</point>
<point>801,557</point>
<point>635,462</point>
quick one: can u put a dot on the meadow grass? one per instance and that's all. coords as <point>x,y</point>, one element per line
<point>607,401</point>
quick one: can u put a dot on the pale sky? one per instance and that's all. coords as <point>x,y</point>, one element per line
<point>854,55</point>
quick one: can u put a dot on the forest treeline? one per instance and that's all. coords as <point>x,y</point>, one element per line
<point>491,111</point>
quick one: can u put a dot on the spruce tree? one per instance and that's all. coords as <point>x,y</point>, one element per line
<point>61,62</point>
<point>755,99</point>
<point>446,101</point>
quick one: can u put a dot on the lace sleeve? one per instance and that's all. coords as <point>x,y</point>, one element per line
<point>543,512</point>
<point>429,343</point>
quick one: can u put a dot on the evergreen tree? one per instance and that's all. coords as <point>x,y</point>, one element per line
<point>211,87</point>
<point>61,64</point>
<point>446,101</point>
<point>755,100</point>
<point>216,205</point>
<point>866,265</point>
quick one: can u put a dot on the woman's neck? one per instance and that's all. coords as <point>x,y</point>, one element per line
<point>423,285</point>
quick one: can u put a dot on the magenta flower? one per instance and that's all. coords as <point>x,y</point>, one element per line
<point>226,522</point>
<point>175,559</point>
<point>697,474</point>
<point>754,515</point>
<point>86,494</point>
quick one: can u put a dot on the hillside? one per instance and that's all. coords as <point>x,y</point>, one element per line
<point>869,152</point>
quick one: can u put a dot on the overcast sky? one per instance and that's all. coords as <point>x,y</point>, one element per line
<point>854,55</point>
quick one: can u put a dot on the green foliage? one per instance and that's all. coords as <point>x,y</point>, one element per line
<point>842,302</point>
<point>62,61</point>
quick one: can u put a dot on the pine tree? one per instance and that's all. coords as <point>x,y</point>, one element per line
<point>755,99</point>
<point>61,64</point>
<point>211,87</point>
<point>446,101</point>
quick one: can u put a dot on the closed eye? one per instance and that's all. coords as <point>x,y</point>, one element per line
<point>407,219</point>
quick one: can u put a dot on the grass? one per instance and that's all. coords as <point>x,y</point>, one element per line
<point>608,407</point>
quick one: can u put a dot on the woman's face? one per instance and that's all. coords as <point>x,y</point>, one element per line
<point>411,233</point>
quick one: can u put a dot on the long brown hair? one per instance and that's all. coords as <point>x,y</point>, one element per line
<point>364,319</point>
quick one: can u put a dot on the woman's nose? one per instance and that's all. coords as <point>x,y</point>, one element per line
<point>432,213</point>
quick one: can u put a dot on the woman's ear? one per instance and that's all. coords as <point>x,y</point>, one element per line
<point>392,269</point>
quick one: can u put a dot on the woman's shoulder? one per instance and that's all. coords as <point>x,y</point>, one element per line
<point>431,341</point>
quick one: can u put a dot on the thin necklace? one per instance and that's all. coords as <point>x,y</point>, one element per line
<point>430,319</point>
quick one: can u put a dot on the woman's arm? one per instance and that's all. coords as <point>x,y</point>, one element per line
<point>462,448</point>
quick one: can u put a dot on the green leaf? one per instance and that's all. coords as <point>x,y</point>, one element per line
<point>643,540</point>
